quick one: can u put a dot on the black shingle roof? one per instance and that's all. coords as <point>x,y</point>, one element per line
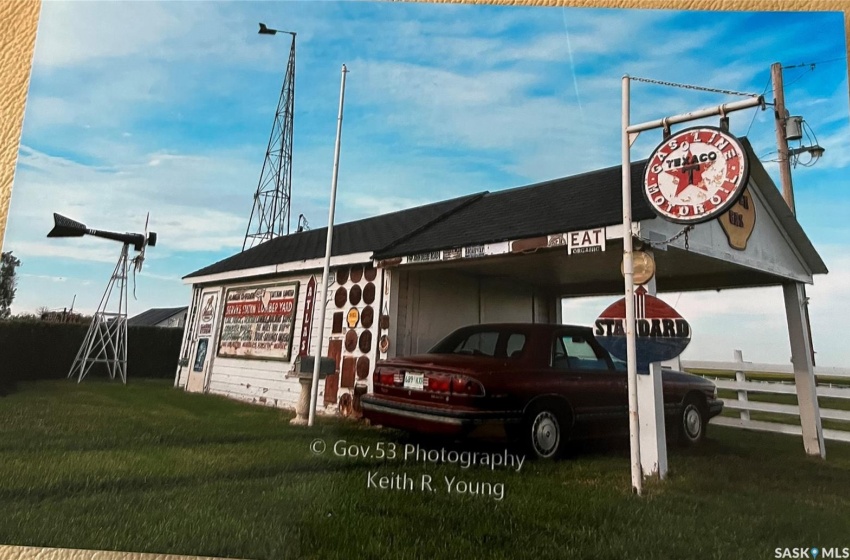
<point>153,317</point>
<point>367,235</point>
<point>584,201</point>
<point>579,202</point>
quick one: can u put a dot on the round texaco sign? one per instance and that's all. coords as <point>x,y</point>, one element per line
<point>695,175</point>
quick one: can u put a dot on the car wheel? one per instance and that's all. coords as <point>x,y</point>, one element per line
<point>545,432</point>
<point>692,422</point>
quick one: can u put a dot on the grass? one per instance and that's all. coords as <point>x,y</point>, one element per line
<point>149,468</point>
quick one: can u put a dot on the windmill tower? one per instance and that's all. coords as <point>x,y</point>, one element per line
<point>106,339</point>
<point>270,214</point>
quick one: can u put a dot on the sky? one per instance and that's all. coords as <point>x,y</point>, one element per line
<point>166,108</point>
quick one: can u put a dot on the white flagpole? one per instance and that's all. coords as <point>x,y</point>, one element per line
<point>314,393</point>
<point>628,275</point>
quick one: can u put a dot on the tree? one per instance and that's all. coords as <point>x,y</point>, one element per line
<point>8,264</point>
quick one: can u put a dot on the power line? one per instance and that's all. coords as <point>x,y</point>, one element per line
<point>755,113</point>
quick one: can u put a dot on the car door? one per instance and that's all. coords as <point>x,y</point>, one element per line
<point>599,398</point>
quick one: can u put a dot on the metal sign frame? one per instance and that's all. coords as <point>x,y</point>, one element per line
<point>629,135</point>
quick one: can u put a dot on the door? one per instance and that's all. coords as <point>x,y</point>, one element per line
<point>203,352</point>
<point>599,399</point>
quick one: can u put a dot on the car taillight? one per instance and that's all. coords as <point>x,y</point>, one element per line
<point>437,383</point>
<point>453,384</point>
<point>388,377</point>
<point>466,386</point>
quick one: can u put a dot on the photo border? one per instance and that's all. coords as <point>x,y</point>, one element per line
<point>17,43</point>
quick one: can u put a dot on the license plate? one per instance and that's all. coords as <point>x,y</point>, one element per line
<point>414,380</point>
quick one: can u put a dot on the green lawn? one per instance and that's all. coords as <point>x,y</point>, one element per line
<point>146,467</point>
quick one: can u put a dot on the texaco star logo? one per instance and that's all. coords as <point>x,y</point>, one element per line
<point>695,175</point>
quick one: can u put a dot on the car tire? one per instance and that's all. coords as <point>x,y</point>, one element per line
<point>545,432</point>
<point>693,422</point>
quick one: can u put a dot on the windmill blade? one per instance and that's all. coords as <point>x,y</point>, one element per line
<point>140,258</point>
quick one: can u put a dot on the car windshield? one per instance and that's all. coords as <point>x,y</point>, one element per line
<point>487,342</point>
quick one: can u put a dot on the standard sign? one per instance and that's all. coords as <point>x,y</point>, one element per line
<point>695,175</point>
<point>586,241</point>
<point>661,333</point>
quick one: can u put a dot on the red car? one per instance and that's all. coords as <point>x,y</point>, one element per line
<point>543,384</point>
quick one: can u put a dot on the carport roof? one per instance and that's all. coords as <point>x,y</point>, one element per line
<point>365,235</point>
<point>584,201</point>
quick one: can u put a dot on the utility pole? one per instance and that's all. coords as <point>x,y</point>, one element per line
<point>780,120</point>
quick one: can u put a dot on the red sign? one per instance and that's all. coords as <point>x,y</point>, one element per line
<point>695,175</point>
<point>258,322</point>
<point>275,307</point>
<point>660,332</point>
<point>307,321</point>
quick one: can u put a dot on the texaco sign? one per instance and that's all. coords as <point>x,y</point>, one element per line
<point>695,175</point>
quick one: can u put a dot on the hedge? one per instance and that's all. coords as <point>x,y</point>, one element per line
<point>31,350</point>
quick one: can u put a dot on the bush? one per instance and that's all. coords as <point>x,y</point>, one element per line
<point>41,350</point>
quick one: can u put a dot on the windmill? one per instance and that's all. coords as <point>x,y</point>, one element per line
<point>106,339</point>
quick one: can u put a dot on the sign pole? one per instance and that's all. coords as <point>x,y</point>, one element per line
<point>629,133</point>
<point>314,389</point>
<point>628,275</point>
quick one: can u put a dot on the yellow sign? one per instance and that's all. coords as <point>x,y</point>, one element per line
<point>353,317</point>
<point>739,221</point>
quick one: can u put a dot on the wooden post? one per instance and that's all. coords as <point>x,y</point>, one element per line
<point>653,435</point>
<point>804,375</point>
<point>740,377</point>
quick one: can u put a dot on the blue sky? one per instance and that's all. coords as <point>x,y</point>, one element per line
<point>166,107</point>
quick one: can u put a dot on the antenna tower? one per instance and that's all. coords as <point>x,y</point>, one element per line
<point>270,213</point>
<point>106,339</point>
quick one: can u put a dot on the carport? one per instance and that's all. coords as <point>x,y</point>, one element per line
<point>511,255</point>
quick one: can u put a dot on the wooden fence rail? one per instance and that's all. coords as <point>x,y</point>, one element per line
<point>831,383</point>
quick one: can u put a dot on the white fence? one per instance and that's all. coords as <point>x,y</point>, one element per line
<point>743,387</point>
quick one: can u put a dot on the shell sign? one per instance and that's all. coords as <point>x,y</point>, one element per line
<point>660,332</point>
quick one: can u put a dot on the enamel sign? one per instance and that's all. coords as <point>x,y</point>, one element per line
<point>660,332</point>
<point>307,320</point>
<point>695,175</point>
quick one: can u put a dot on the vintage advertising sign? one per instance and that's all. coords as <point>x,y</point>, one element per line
<point>257,322</point>
<point>201,355</point>
<point>307,319</point>
<point>739,221</point>
<point>352,317</point>
<point>586,241</point>
<point>660,332</point>
<point>695,175</point>
<point>209,306</point>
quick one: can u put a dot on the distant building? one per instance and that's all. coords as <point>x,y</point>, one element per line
<point>160,317</point>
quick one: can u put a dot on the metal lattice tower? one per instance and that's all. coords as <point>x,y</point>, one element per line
<point>270,213</point>
<point>106,339</point>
